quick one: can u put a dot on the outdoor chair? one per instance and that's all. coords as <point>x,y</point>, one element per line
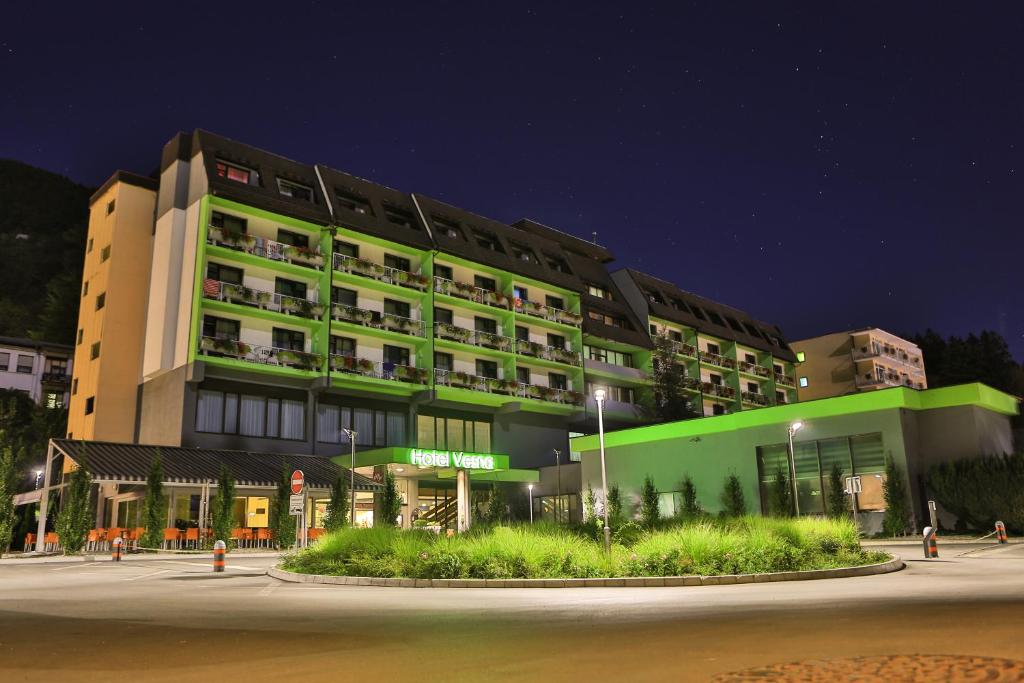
<point>172,535</point>
<point>30,543</point>
<point>92,541</point>
<point>263,537</point>
<point>192,536</point>
<point>137,535</point>
<point>51,542</point>
<point>112,533</point>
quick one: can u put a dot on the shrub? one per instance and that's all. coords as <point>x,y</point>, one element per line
<point>7,511</point>
<point>733,504</point>
<point>223,507</point>
<point>336,515</point>
<point>391,500</point>
<point>980,491</point>
<point>837,504</point>
<point>780,501</point>
<point>281,523</point>
<point>615,502</point>
<point>691,508</point>
<point>649,513</point>
<point>589,504</point>
<point>154,507</point>
<point>74,519</point>
<point>897,507</point>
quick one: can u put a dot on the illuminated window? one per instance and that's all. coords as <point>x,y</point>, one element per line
<point>800,357</point>
<point>803,382</point>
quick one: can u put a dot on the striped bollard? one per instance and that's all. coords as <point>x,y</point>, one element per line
<point>219,548</point>
<point>931,547</point>
<point>115,549</point>
<point>1001,532</point>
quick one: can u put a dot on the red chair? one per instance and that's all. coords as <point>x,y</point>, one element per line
<point>51,542</point>
<point>172,536</point>
<point>192,536</point>
<point>92,541</point>
<point>263,536</point>
<point>314,533</point>
<point>30,543</point>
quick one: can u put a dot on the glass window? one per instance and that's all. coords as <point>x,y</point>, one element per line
<point>456,435</point>
<point>293,420</point>
<point>485,282</point>
<point>354,203</point>
<point>294,190</point>
<point>363,424</point>
<point>346,249</point>
<point>252,421</point>
<point>442,271</point>
<point>210,411</point>
<point>218,271</point>
<point>803,382</point>
<point>487,368</point>
<point>444,361</point>
<point>557,381</point>
<point>289,339</point>
<point>400,217</point>
<point>554,301</point>
<point>443,315</point>
<point>397,262</point>
<point>90,405</point>
<point>521,292</point>
<point>523,375</point>
<point>290,288</point>
<point>101,300</point>
<point>237,173</point>
<point>327,430</point>
<point>220,328</point>
<point>104,253</point>
<point>399,308</point>
<point>343,346</point>
<point>482,437</point>
<point>230,413</point>
<point>380,428</point>
<point>522,333</point>
<point>396,429</point>
<point>25,364</point>
<point>228,223</point>
<point>808,478</point>
<point>94,351</point>
<point>425,432</point>
<point>344,297</point>
<point>273,418</point>
<point>293,238</point>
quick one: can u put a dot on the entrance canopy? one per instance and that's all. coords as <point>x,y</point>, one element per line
<point>121,463</point>
<point>442,464</point>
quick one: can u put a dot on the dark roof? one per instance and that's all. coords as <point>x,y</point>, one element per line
<point>570,243</point>
<point>592,271</point>
<point>128,178</point>
<point>677,304</point>
<point>131,462</point>
<point>27,343</point>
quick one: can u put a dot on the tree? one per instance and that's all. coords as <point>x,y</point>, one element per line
<point>691,508</point>
<point>589,504</point>
<point>337,507</point>
<point>154,507</point>
<point>897,507</point>
<point>74,519</point>
<point>391,500</point>
<point>837,505</point>
<point>733,503</point>
<point>649,512</point>
<point>671,401</point>
<point>496,510</point>
<point>282,523</point>
<point>980,491</point>
<point>780,502</point>
<point>224,507</point>
<point>8,518</point>
<point>615,502</point>
<point>983,357</point>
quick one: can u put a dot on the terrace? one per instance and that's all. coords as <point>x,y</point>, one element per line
<point>492,385</point>
<point>379,272</point>
<point>468,292</point>
<point>378,370</point>
<point>479,338</point>
<point>551,353</point>
<point>377,320</point>
<point>309,257</point>
<point>268,301</point>
<point>545,312</point>
<point>717,360</point>
<point>218,347</point>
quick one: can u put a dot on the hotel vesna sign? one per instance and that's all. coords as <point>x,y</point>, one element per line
<point>421,457</point>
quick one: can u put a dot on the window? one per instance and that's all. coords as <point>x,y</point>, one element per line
<point>250,415</point>
<point>523,252</point>
<point>749,358</point>
<point>803,382</point>
<point>5,361</point>
<point>487,368</point>
<point>780,397</point>
<point>487,241</point>
<point>355,203</point>
<point>556,340</point>
<point>342,346</point>
<point>716,319</point>
<point>94,351</point>
<point>344,297</point>
<point>397,262</point>
<point>294,190</point>
<point>753,387</point>
<point>217,271</point>
<point>521,293</point>
<point>443,271</point>
<point>400,217</point>
<point>111,205</point>
<point>485,325</point>
<point>734,324</point>
<point>654,296</point>
<point>599,291</point>
<point>101,300</point>
<point>800,357</point>
<point>239,174</point>
<point>444,361</point>
<point>90,405</point>
<point>228,223</point>
<point>221,328</point>
<point>612,392</point>
<point>680,305</point>
<point>485,283</point>
<point>523,375</point>
<point>88,246</point>
<point>104,253</point>
<point>675,335</point>
<point>81,333</point>
<point>372,427</point>
<point>74,386</point>
<point>554,301</point>
<point>715,379</point>
<point>611,320</point>
<point>443,315</point>
<point>714,349</point>
<point>699,312</point>
<point>290,288</point>
<point>85,289</point>
<point>25,364</point>
<point>346,249</point>
<point>717,409</point>
<point>624,360</point>
<point>557,381</point>
<point>777,368</point>
<point>522,333</point>
<point>448,228</point>
<point>751,330</point>
<point>395,355</point>
<point>453,433</point>
<point>293,238</point>
<point>557,263</point>
<point>289,339</point>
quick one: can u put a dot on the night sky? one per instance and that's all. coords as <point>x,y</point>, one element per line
<point>820,168</point>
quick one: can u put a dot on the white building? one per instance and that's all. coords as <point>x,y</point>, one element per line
<point>40,369</point>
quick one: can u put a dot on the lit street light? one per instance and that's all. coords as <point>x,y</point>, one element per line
<point>793,429</point>
<point>39,476</point>
<point>530,486</point>
<point>352,474</point>
<point>599,398</point>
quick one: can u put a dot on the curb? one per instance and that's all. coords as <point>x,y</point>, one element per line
<point>893,565</point>
<point>881,542</point>
<point>8,561</point>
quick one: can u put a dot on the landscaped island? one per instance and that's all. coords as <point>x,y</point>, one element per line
<point>745,545</point>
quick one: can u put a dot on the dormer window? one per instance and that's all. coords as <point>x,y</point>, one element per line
<point>681,305</point>
<point>447,228</point>
<point>399,217</point>
<point>240,174</point>
<point>716,319</point>
<point>556,263</point>
<point>354,203</point>
<point>294,190</point>
<point>734,324</point>
<point>523,253</point>
<point>599,291</point>
<point>487,241</point>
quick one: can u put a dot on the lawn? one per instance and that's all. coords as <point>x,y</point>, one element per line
<point>709,547</point>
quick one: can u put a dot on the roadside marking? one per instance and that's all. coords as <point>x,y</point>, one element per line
<point>146,576</point>
<point>269,588</point>
<point>207,565</point>
<point>80,565</point>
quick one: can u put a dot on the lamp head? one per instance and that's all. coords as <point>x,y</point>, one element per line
<point>796,426</point>
<point>599,395</point>
<point>530,486</point>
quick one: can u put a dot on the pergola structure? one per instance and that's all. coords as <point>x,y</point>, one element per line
<point>186,471</point>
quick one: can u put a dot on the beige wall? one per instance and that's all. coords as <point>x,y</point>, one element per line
<point>828,366</point>
<point>113,377</point>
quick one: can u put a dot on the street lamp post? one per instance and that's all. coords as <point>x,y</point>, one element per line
<point>39,476</point>
<point>530,486</point>
<point>558,485</point>
<point>599,399</point>
<point>352,475</point>
<point>793,429</point>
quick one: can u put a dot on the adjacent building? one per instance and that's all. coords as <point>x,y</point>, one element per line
<point>41,370</point>
<point>859,360</point>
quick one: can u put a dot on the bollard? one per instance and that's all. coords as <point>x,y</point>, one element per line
<point>1001,532</point>
<point>219,548</point>
<point>931,548</point>
<point>115,549</point>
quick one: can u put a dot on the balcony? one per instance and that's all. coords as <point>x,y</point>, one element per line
<point>754,399</point>
<point>470,293</point>
<point>378,370</point>
<point>717,360</point>
<point>380,273</point>
<point>551,313</point>
<point>262,355</point>
<point>308,257</point>
<point>267,301</point>
<point>713,390</point>
<point>551,353</point>
<point>784,380</point>
<point>889,352</point>
<point>377,320</point>
<point>479,338</point>
<point>886,380</point>
<point>693,384</point>
<point>491,385</point>
<point>755,369</point>
<point>683,349</point>
<point>55,377</point>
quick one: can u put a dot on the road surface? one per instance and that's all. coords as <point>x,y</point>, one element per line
<point>174,620</point>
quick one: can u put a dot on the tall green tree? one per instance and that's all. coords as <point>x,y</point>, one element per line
<point>733,503</point>
<point>691,507</point>
<point>154,507</point>
<point>780,500</point>
<point>497,510</point>
<point>983,357</point>
<point>75,517</point>
<point>391,500</point>
<point>897,503</point>
<point>336,516</point>
<point>8,518</point>
<point>838,505</point>
<point>649,510</point>
<point>224,506</point>
<point>589,504</point>
<point>671,401</point>
<point>615,502</point>
<point>282,523</point>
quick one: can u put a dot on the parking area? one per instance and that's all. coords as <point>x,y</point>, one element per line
<point>173,618</point>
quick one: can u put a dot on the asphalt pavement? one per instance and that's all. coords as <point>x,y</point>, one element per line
<point>174,619</point>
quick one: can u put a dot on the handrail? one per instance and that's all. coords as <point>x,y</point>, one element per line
<point>376,319</point>
<point>267,248</point>
<point>378,369</point>
<point>271,301</point>
<point>263,355</point>
<point>462,290</point>
<point>474,337</point>
<point>376,271</point>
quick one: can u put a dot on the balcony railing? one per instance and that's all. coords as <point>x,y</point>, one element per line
<point>471,293</point>
<point>887,379</point>
<point>692,383</point>
<point>375,271</point>
<point>552,353</point>
<point>545,312</point>
<point>753,398</point>
<point>719,390</point>
<point>269,301</point>
<point>491,385</point>
<point>263,355</point>
<point>683,349</point>
<point>309,257</point>
<point>784,380</point>
<point>754,369</point>
<point>377,320</point>
<point>56,378</point>
<point>891,352</point>
<point>717,360</point>
<point>487,340</point>
<point>378,369</point>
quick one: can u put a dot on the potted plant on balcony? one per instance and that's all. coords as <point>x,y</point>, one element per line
<point>416,281</point>
<point>459,378</point>
<point>570,318</point>
<point>462,290</point>
<point>575,397</point>
<point>362,266</point>
<point>496,299</point>
<point>365,366</point>
<point>306,255</point>
<point>301,360</point>
<point>341,363</point>
<point>309,309</point>
<point>235,238</point>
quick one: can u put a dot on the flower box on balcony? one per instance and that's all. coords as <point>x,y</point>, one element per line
<point>351,314</point>
<point>496,299</point>
<point>305,255</point>
<point>227,347</point>
<point>397,323</point>
<point>412,280</point>
<point>365,366</point>
<point>529,348</point>
<point>564,356</point>
<point>407,373</point>
<point>531,307</point>
<point>233,238</point>
<point>301,307</point>
<point>461,290</point>
<point>300,360</point>
<point>569,318</point>
<point>239,294</point>
<point>342,363</point>
<point>492,341</point>
<point>460,379</point>
<point>575,397</point>
<point>453,333</point>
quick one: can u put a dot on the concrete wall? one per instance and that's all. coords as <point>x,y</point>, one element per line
<point>828,366</point>
<point>529,438</point>
<point>161,406</point>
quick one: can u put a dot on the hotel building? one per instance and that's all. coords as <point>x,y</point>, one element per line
<point>40,370</point>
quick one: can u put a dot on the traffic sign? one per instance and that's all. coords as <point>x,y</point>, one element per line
<point>296,504</point>
<point>853,485</point>
<point>298,482</point>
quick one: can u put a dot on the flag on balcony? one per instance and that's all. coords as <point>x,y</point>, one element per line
<point>211,287</point>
